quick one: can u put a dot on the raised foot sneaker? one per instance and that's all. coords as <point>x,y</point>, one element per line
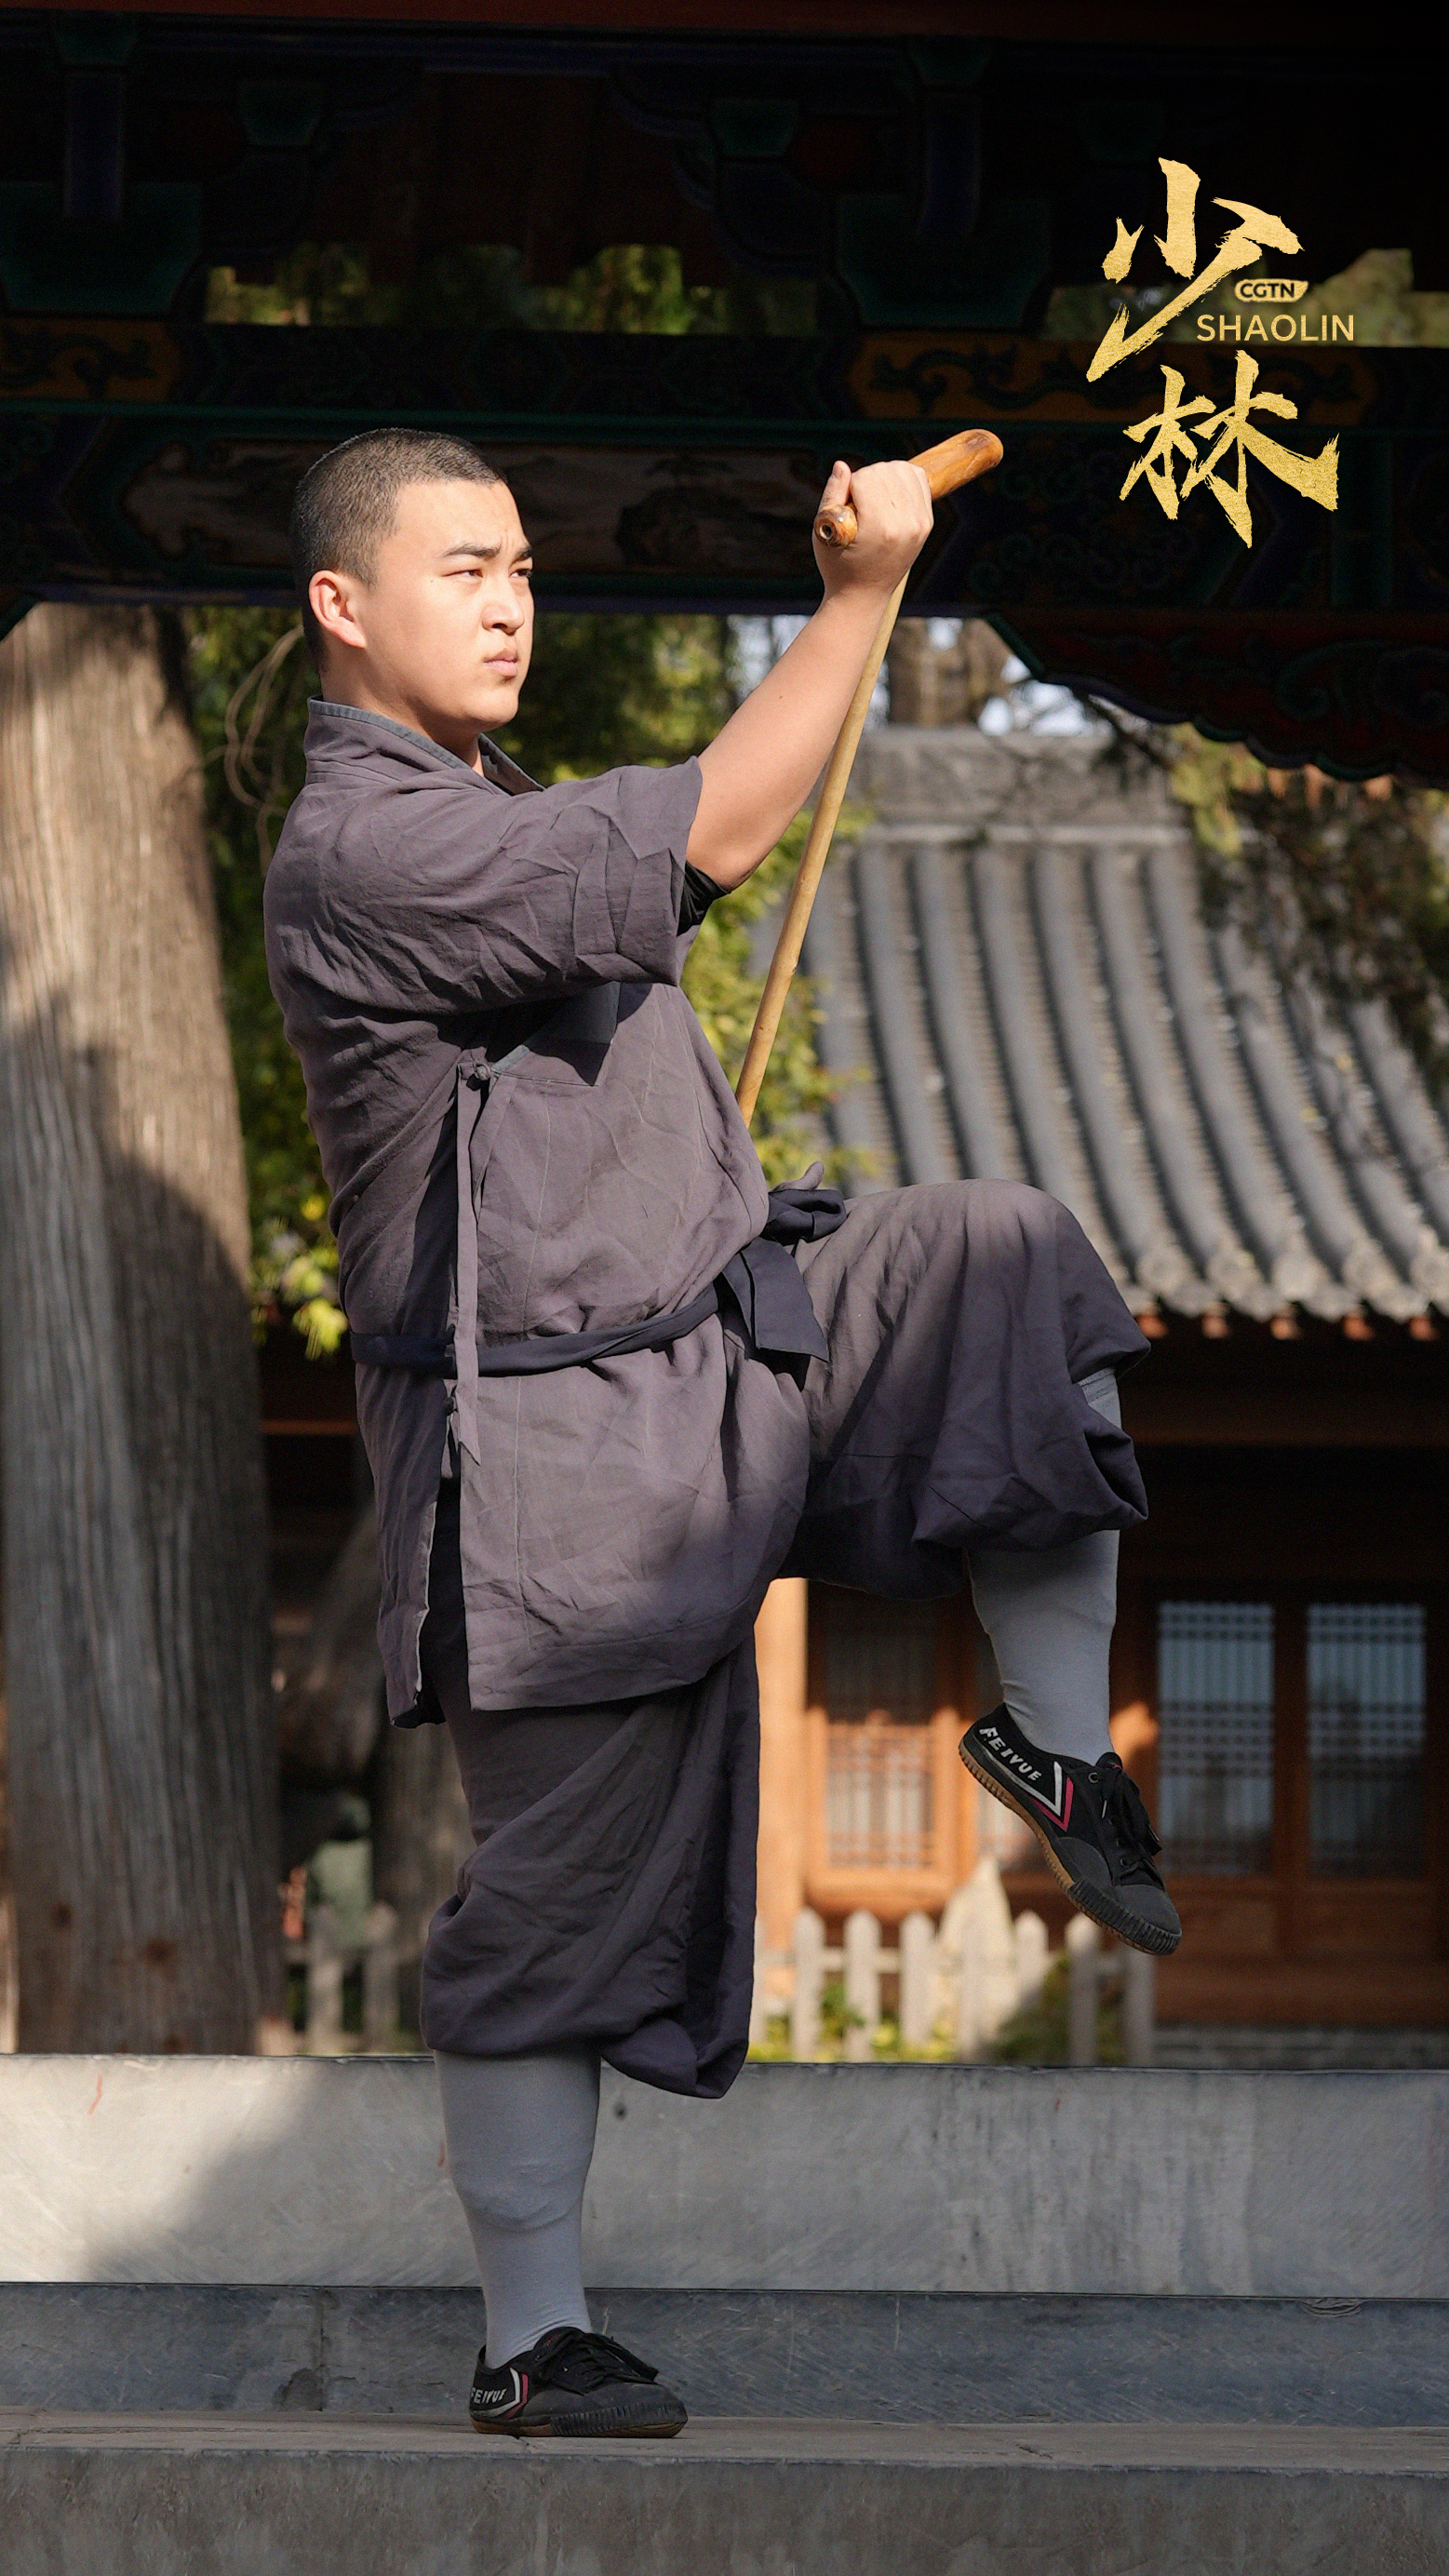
<point>583,2385</point>
<point>1089,1820</point>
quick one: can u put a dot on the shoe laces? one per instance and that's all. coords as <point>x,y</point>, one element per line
<point>1126,1812</point>
<point>572,2359</point>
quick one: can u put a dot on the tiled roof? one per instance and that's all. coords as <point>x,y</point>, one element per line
<point>1013,964</point>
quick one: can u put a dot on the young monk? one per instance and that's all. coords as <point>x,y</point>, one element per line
<point>610,1387</point>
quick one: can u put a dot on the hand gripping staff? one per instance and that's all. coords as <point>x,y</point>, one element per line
<point>956,461</point>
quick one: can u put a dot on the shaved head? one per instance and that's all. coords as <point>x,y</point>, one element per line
<point>346,503</point>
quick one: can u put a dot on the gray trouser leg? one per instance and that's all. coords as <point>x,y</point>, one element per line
<point>520,2133</point>
<point>1049,1614</point>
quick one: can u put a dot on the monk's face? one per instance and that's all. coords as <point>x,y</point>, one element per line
<point>440,636</point>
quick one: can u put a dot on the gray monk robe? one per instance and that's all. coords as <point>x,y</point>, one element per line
<point>528,1137</point>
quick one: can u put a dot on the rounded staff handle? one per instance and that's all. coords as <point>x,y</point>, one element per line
<point>956,461</point>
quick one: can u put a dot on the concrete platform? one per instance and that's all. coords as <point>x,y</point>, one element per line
<point>859,2356</point>
<point>1002,2181</point>
<point>1286,2046</point>
<point>296,2496</point>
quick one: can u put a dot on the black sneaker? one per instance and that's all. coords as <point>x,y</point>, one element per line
<point>575,2383</point>
<point>1089,1820</point>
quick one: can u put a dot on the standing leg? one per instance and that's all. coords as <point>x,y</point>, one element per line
<point>561,1802</point>
<point>520,2134</point>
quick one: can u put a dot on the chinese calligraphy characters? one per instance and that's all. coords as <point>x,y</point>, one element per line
<point>1232,428</point>
<point>1179,436</point>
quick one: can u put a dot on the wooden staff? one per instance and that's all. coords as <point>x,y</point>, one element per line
<point>956,461</point>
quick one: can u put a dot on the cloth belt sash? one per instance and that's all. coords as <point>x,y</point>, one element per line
<point>762,1281</point>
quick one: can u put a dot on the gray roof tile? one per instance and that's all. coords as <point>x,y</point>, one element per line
<point>1015,980</point>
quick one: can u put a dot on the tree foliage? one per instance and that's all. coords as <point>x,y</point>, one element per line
<point>721,981</point>
<point>484,286</point>
<point>1345,887</point>
<point>1342,886</point>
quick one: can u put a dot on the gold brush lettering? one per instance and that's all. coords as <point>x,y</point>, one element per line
<point>1190,434</point>
<point>1255,232</point>
<point>1169,443</point>
<point>1119,258</point>
<point>1179,245</point>
<point>1316,477</point>
<point>1224,433</point>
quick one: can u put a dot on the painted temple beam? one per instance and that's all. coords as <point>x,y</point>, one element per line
<point>154,459</point>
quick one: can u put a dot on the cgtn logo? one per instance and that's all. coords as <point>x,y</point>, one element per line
<point>1281,326</point>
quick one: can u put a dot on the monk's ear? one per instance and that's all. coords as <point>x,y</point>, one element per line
<point>335,605</point>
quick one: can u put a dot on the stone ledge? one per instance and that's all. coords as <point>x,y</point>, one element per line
<point>855,2355</point>
<point>1007,2181</point>
<point>163,2496</point>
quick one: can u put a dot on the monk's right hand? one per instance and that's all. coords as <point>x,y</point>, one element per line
<point>757,773</point>
<point>892,504</point>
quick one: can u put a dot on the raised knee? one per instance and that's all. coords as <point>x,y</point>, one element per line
<point>1007,1209</point>
<point>1017,1198</point>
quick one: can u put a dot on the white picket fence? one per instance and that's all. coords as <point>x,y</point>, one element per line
<point>966,1976</point>
<point>326,1958</point>
<point>1091,1971</point>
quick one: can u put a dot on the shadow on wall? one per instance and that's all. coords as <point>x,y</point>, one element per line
<point>227,2170</point>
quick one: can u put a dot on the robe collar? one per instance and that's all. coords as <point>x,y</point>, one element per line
<point>498,770</point>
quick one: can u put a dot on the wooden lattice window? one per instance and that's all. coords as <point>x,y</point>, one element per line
<point>881,1692</point>
<point>1215,1707</point>
<point>1366,1672</point>
<point>1245,1686</point>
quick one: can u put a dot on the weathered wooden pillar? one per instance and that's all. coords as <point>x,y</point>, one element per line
<point>142,1796</point>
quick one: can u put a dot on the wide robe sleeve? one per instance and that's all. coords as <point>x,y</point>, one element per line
<point>442,894</point>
